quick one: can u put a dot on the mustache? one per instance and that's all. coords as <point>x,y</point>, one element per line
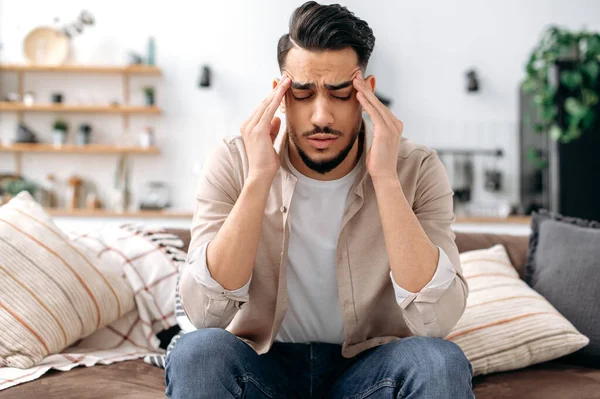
<point>325,130</point>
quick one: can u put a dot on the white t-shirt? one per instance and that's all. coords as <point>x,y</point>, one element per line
<point>315,219</point>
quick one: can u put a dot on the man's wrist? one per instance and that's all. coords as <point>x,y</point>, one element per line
<point>259,181</point>
<point>385,182</point>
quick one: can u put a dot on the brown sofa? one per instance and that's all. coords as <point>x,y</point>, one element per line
<point>135,379</point>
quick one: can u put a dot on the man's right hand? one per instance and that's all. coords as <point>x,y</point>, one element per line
<point>260,131</point>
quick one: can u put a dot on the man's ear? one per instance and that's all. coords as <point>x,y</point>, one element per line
<point>371,82</point>
<point>282,105</point>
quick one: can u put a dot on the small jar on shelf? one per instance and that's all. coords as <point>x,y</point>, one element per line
<point>83,135</point>
<point>146,138</point>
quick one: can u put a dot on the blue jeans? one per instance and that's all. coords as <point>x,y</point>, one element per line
<point>213,363</point>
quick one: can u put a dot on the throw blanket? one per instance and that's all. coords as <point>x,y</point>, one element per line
<point>185,326</point>
<point>151,260</point>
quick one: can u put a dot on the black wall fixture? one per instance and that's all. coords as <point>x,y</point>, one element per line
<point>205,77</point>
<point>472,81</point>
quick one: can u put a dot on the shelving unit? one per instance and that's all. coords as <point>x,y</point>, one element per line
<point>110,69</point>
<point>89,109</point>
<point>110,214</point>
<point>77,149</point>
<point>125,110</point>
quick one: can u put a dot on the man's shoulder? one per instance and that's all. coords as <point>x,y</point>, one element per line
<point>229,148</point>
<point>235,142</point>
<point>411,151</point>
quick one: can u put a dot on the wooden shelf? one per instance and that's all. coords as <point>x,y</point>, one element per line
<point>494,220</point>
<point>103,213</point>
<point>110,69</point>
<point>77,149</point>
<point>90,109</point>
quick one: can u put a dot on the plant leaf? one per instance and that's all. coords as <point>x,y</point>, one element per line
<point>534,157</point>
<point>571,79</point>
<point>574,107</point>
<point>592,69</point>
<point>529,85</point>
<point>555,132</point>
<point>588,120</point>
<point>539,127</point>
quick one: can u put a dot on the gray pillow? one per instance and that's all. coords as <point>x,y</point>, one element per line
<point>564,266</point>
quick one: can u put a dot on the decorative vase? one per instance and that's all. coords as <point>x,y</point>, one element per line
<point>59,137</point>
<point>83,135</point>
<point>149,99</point>
<point>146,139</point>
<point>151,51</point>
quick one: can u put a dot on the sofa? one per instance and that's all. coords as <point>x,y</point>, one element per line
<point>136,379</point>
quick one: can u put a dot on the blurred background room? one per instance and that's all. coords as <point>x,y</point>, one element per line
<point>109,109</point>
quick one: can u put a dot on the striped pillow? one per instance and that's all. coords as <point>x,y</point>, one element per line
<point>506,324</point>
<point>53,292</point>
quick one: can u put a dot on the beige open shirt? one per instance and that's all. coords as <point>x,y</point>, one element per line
<point>370,312</point>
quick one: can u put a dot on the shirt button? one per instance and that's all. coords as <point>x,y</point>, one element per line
<point>283,209</point>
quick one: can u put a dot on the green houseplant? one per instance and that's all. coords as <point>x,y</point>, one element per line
<point>582,51</point>
<point>149,95</point>
<point>14,186</point>
<point>60,129</point>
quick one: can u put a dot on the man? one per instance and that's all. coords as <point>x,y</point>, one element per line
<point>324,266</point>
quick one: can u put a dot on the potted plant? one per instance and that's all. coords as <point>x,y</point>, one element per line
<point>149,95</point>
<point>60,130</point>
<point>83,135</point>
<point>560,133</point>
<point>12,187</point>
<point>579,54</point>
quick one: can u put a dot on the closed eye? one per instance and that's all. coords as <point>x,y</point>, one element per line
<point>302,98</point>
<point>344,98</point>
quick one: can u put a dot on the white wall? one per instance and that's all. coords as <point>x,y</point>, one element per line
<point>423,49</point>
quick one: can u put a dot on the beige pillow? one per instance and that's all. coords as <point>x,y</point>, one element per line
<point>53,291</point>
<point>507,325</point>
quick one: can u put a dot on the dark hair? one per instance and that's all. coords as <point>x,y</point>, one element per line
<point>317,27</point>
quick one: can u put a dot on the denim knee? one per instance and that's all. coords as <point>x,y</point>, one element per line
<point>440,356</point>
<point>203,346</point>
<point>439,367</point>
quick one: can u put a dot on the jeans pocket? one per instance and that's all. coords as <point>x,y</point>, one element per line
<point>252,388</point>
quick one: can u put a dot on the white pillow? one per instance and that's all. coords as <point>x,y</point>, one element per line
<point>507,325</point>
<point>150,259</point>
<point>53,291</point>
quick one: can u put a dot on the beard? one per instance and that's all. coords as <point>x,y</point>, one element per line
<point>327,165</point>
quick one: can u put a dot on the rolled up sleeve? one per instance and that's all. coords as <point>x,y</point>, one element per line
<point>199,267</point>
<point>435,310</point>
<point>205,302</point>
<point>426,299</point>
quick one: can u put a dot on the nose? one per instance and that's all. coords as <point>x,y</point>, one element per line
<point>322,115</point>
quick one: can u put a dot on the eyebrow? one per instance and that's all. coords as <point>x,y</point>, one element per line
<point>310,86</point>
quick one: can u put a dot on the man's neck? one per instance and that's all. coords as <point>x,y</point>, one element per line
<point>340,171</point>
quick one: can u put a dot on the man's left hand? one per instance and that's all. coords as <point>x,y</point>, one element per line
<point>382,157</point>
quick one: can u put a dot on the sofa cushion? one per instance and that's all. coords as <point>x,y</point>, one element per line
<point>132,379</point>
<point>151,259</point>
<point>506,324</point>
<point>563,265</point>
<point>544,381</point>
<point>54,291</point>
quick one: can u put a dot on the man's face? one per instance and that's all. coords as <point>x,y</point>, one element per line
<point>322,112</point>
